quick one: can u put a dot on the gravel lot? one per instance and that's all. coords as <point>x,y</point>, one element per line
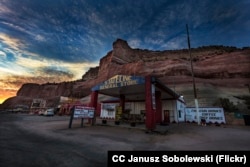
<point>32,140</point>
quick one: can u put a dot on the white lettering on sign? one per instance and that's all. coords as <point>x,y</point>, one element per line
<point>118,81</point>
<point>84,112</point>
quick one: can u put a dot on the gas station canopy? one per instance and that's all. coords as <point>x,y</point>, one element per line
<point>132,87</point>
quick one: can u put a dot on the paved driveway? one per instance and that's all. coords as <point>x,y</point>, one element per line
<point>31,140</point>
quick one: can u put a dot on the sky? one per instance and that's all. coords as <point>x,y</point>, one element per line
<point>59,40</point>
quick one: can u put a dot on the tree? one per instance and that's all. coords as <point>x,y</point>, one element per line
<point>226,104</point>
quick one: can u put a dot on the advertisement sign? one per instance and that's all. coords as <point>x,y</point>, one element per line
<point>84,112</point>
<point>119,81</point>
<point>118,113</point>
<point>211,114</point>
<point>108,110</point>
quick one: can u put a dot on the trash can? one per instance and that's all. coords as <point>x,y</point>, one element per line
<point>247,119</point>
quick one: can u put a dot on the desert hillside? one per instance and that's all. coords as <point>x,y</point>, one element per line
<point>220,72</point>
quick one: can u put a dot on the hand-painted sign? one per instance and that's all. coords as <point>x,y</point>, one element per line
<point>212,114</point>
<point>119,81</point>
<point>108,110</point>
<point>84,112</point>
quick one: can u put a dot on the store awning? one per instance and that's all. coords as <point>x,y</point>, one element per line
<point>132,87</point>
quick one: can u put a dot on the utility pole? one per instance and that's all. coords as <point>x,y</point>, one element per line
<point>194,86</point>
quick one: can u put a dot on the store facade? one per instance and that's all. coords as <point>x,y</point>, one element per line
<point>140,99</point>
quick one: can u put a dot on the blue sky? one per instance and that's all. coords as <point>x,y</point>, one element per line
<point>58,40</point>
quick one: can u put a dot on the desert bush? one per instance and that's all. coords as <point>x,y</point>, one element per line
<point>226,104</point>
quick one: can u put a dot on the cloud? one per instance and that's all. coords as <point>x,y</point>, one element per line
<point>36,65</point>
<point>40,38</point>
<point>6,94</point>
<point>2,54</point>
<point>13,43</point>
<point>65,38</point>
<point>134,43</point>
<point>55,73</point>
<point>50,32</point>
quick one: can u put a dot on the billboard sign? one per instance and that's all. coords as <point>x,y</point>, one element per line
<point>84,112</point>
<point>210,114</point>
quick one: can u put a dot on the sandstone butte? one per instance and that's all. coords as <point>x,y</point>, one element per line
<point>220,72</point>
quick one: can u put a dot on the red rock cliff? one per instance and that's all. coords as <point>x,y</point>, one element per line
<point>219,72</point>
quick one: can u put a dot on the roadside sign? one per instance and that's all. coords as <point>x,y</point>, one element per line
<point>210,114</point>
<point>82,112</point>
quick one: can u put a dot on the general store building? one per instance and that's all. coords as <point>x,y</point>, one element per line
<point>138,98</point>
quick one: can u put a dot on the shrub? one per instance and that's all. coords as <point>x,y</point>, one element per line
<point>226,104</point>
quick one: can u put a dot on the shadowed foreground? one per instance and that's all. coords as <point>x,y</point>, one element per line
<point>31,140</point>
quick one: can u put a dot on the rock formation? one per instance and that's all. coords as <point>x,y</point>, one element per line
<point>219,72</point>
<point>92,73</point>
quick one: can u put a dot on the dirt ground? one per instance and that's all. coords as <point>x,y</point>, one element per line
<point>32,140</point>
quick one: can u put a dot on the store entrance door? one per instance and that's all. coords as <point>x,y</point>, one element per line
<point>166,116</point>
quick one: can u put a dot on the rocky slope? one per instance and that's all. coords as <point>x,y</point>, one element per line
<point>219,72</point>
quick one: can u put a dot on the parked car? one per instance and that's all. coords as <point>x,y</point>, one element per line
<point>41,112</point>
<point>49,112</point>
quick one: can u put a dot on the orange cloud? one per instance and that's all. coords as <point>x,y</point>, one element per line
<point>34,69</point>
<point>5,94</point>
<point>11,84</point>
